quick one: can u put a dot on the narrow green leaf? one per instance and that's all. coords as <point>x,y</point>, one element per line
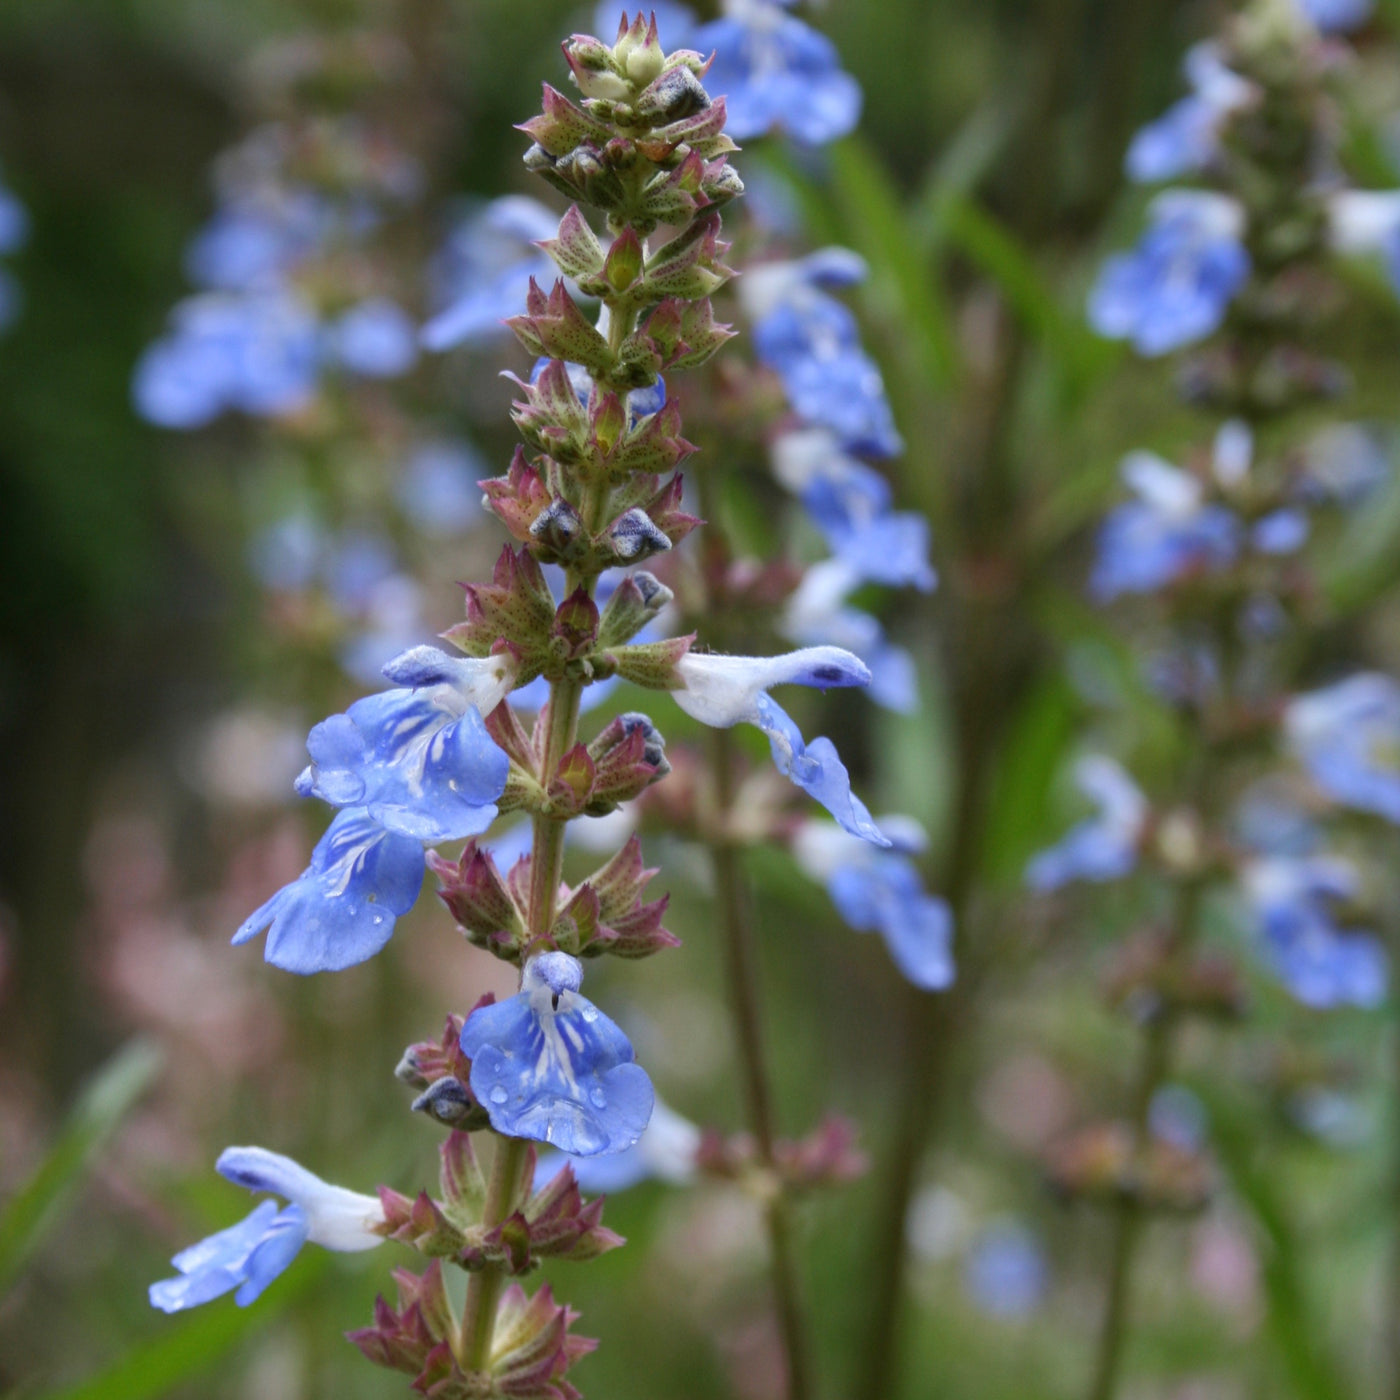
<point>189,1346</point>
<point>97,1113</point>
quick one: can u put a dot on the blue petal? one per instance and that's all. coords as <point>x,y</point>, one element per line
<point>817,769</point>
<point>376,338</point>
<point>886,894</point>
<point>565,1076</point>
<point>421,768</point>
<point>342,909</point>
<point>246,1256</point>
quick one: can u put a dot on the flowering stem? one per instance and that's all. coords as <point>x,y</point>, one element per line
<point>1158,1042</point>
<point>742,976</point>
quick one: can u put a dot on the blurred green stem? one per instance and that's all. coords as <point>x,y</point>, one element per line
<point>742,974</point>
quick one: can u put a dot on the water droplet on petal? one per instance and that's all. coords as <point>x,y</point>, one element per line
<point>498,1094</point>
<point>598,1098</point>
<point>589,1013</point>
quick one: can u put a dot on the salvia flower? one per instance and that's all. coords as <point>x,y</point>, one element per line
<point>549,1066</point>
<point>419,759</point>
<point>666,1151</point>
<point>1102,847</point>
<point>1169,531</point>
<point>1184,140</point>
<point>1321,963</point>
<point>813,343</point>
<point>341,909</point>
<point>726,690</point>
<point>1337,16</point>
<point>883,891</point>
<point>249,1255</point>
<point>1176,285</point>
<point>1347,736</point>
<point>777,74</point>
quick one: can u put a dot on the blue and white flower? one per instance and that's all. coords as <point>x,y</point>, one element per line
<point>549,1066</point>
<point>249,1255</point>
<point>1185,139</point>
<point>418,759</point>
<point>777,74</point>
<point>1176,285</point>
<point>726,690</point>
<point>1169,531</point>
<point>883,891</point>
<point>1102,847</point>
<point>1347,736</point>
<point>1321,963</point>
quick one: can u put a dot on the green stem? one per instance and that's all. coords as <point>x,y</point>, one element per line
<point>484,1287</point>
<point>742,976</point>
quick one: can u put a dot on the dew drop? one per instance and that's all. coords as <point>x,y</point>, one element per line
<point>598,1098</point>
<point>498,1094</point>
<point>589,1013</point>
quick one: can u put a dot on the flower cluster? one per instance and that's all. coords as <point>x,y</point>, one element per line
<point>593,492</point>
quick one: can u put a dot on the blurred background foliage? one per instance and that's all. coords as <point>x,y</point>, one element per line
<point>983,188</point>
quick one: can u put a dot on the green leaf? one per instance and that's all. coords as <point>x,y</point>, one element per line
<point>99,1110</point>
<point>1293,1329</point>
<point>1076,351</point>
<point>190,1345</point>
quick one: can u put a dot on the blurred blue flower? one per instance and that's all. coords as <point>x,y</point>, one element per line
<point>812,341</point>
<point>1321,963</point>
<point>1175,286</point>
<point>375,338</point>
<point>482,273</point>
<point>1282,531</point>
<point>418,760</point>
<point>1167,533</point>
<point>1184,140</point>
<point>258,353</point>
<point>883,891</point>
<point>675,24</point>
<point>725,690</point>
<point>1347,736</point>
<point>14,221</point>
<point>255,239</point>
<point>1005,1272</point>
<point>549,1066</point>
<point>438,489</point>
<point>1337,16</point>
<point>777,74</point>
<point>1102,847</point>
<point>666,1151</point>
<point>341,909</point>
<point>249,1255</point>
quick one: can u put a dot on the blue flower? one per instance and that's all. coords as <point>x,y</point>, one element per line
<point>1320,963</point>
<point>14,221</point>
<point>813,342</point>
<point>341,909</point>
<point>1337,16</point>
<point>255,241</point>
<point>1348,738</point>
<point>548,1065</point>
<point>1005,1270</point>
<point>1185,139</point>
<point>258,353</point>
<point>419,760</point>
<point>375,338</point>
<point>482,275</point>
<point>1175,286</point>
<point>777,74</point>
<point>1168,532</point>
<point>878,545</point>
<point>1102,847</point>
<point>725,690</point>
<point>1282,531</point>
<point>666,1151</point>
<point>249,1255</point>
<point>882,891</point>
